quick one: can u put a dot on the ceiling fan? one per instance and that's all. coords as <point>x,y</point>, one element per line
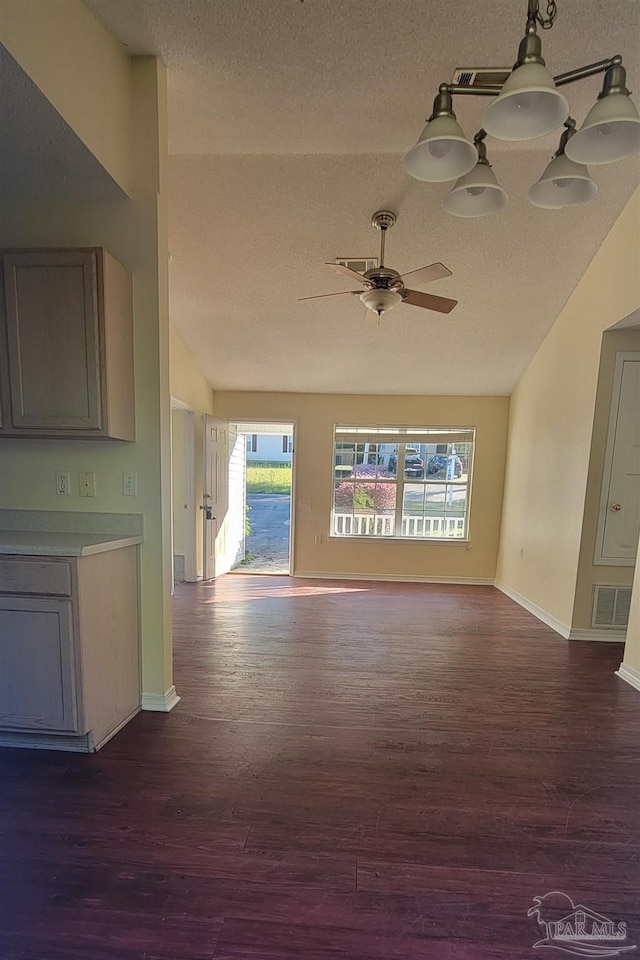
<point>384,288</point>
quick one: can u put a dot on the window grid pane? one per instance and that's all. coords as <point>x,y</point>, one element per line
<point>413,490</point>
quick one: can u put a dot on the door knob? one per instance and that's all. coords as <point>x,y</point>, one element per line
<point>616,506</point>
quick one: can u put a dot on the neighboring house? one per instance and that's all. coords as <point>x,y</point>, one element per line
<point>269,447</point>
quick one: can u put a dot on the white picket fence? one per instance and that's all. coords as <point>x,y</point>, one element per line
<point>383,525</point>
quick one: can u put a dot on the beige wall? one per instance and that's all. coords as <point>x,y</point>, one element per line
<point>134,231</point>
<point>632,646</point>
<point>189,385</point>
<point>588,572</point>
<point>551,417</point>
<point>83,71</point>
<point>314,416</point>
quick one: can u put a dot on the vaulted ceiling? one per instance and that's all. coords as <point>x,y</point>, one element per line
<point>288,122</point>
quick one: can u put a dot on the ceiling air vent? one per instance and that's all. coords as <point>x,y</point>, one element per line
<point>359,264</point>
<point>610,608</point>
<point>480,76</point>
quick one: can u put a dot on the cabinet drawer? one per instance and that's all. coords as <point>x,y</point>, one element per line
<point>27,575</point>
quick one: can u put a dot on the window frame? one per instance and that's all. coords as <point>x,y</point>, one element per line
<point>401,481</point>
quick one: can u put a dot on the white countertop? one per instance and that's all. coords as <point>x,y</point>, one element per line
<point>40,543</point>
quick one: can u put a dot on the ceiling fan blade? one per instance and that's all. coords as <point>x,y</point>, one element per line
<point>341,293</point>
<point>428,301</point>
<point>347,271</point>
<point>435,271</point>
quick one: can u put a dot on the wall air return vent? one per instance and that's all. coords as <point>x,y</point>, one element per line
<point>480,76</point>
<point>359,264</point>
<point>610,609</point>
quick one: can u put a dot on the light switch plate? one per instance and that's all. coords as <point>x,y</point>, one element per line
<point>87,484</point>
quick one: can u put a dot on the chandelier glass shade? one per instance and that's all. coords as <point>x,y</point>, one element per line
<point>563,184</point>
<point>478,192</point>
<point>528,106</point>
<point>610,132</point>
<point>442,152</point>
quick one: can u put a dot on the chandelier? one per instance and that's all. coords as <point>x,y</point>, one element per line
<point>527,105</point>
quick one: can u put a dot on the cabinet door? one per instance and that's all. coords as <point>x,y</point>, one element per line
<point>37,688</point>
<point>53,340</point>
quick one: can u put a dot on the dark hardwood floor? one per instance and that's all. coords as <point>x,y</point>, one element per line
<point>355,770</point>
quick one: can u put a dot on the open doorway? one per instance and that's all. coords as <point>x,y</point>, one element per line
<point>260,493</point>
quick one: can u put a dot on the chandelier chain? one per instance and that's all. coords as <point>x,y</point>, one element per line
<point>552,12</point>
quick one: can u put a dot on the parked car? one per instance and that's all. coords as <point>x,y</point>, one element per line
<point>413,464</point>
<point>438,464</point>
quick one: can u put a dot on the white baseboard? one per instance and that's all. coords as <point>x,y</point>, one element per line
<point>47,741</point>
<point>391,578</point>
<point>95,746</point>
<point>630,674</point>
<point>562,628</point>
<point>601,636</point>
<point>160,702</point>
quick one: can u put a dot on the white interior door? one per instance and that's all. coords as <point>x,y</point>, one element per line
<point>215,497</point>
<point>620,509</point>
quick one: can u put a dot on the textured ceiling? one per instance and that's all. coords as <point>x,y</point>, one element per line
<point>40,155</point>
<point>288,121</point>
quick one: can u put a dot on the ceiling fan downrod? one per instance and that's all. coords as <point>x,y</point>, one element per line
<point>383,220</point>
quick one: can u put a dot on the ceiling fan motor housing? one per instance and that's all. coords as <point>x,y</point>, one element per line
<point>383,278</point>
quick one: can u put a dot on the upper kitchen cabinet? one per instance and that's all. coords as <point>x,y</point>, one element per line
<point>66,345</point>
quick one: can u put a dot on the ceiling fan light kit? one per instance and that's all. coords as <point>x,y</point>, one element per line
<point>380,301</point>
<point>528,105</point>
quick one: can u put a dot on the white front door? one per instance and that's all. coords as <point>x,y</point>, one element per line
<point>216,494</point>
<point>236,516</point>
<point>620,509</point>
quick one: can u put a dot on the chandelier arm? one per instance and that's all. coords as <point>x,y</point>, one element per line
<point>571,76</point>
<point>591,69</point>
<point>490,90</point>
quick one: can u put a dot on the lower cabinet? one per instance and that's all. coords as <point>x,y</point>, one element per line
<point>69,648</point>
<point>37,664</point>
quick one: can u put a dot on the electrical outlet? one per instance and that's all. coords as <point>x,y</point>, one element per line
<point>317,538</point>
<point>130,484</point>
<point>87,484</point>
<point>63,483</point>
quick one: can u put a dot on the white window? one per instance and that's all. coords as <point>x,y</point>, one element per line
<point>403,482</point>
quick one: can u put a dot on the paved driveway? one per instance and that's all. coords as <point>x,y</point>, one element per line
<point>269,517</point>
